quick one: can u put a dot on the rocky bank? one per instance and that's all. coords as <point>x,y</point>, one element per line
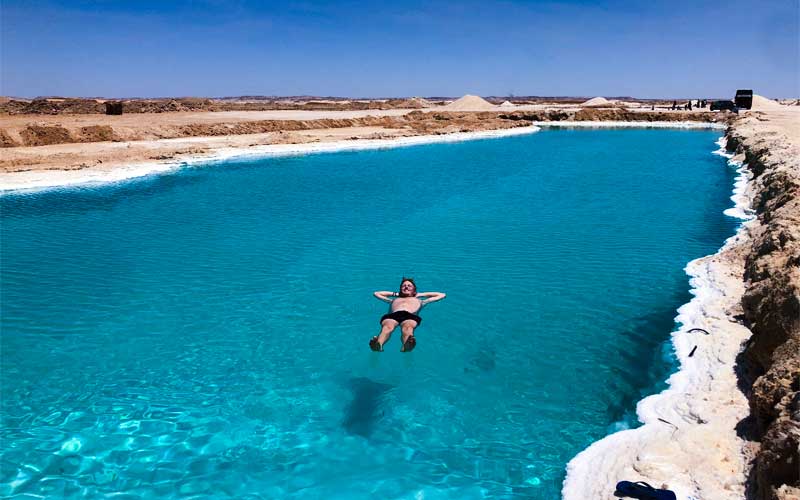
<point>769,365</point>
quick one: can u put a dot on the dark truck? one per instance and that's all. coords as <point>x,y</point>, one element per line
<point>723,105</point>
<point>744,99</point>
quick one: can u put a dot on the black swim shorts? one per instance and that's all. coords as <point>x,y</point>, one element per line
<point>401,316</point>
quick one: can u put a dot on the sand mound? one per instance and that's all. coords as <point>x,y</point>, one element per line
<point>507,104</point>
<point>761,103</point>
<point>597,101</point>
<point>418,102</point>
<point>470,103</point>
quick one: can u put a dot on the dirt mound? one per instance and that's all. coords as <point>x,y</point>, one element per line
<point>417,103</point>
<point>597,101</point>
<point>97,133</point>
<point>470,103</point>
<point>761,103</point>
<point>507,104</point>
<point>42,135</point>
<point>52,106</point>
<point>624,115</point>
<point>6,141</point>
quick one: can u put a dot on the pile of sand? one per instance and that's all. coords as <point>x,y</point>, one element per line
<point>761,103</point>
<point>470,103</point>
<point>507,104</point>
<point>597,101</point>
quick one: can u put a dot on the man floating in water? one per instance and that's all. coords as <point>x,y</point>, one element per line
<point>405,307</point>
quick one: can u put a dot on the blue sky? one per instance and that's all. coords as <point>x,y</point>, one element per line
<point>644,49</point>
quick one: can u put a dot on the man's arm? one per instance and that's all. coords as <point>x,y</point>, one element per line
<point>384,296</point>
<point>432,297</point>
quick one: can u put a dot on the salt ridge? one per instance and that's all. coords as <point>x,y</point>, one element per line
<point>740,196</point>
<point>688,440</point>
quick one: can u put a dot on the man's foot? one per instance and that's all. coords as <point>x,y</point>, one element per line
<point>409,344</point>
<point>375,345</point>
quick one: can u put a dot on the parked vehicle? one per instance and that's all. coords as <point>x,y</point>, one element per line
<point>723,105</point>
<point>744,99</point>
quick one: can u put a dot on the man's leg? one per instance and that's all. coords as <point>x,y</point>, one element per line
<point>387,327</point>
<point>407,328</point>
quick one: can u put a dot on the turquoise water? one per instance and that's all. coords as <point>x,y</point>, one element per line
<point>205,333</point>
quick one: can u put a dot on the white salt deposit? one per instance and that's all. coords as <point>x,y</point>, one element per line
<point>597,101</point>
<point>470,103</point>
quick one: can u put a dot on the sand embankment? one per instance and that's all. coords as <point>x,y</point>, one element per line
<point>57,178</point>
<point>695,435</point>
<point>76,142</point>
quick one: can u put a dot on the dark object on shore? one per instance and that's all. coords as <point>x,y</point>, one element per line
<point>668,423</point>
<point>699,330</point>
<point>692,353</point>
<point>114,108</point>
<point>744,98</point>
<point>723,105</point>
<point>643,491</point>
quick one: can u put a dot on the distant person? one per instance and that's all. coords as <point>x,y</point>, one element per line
<point>689,105</point>
<point>404,309</point>
<point>674,105</point>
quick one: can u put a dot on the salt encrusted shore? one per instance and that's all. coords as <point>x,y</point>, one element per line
<point>694,440</point>
<point>48,179</point>
<point>688,442</point>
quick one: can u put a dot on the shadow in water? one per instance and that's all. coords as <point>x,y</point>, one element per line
<point>483,360</point>
<point>366,407</point>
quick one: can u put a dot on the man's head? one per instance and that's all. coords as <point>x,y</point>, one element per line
<point>408,288</point>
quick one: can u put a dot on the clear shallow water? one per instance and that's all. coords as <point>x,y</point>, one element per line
<point>205,333</point>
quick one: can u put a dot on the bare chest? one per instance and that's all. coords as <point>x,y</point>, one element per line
<point>410,304</point>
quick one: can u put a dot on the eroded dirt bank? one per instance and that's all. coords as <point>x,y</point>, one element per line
<point>770,363</point>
